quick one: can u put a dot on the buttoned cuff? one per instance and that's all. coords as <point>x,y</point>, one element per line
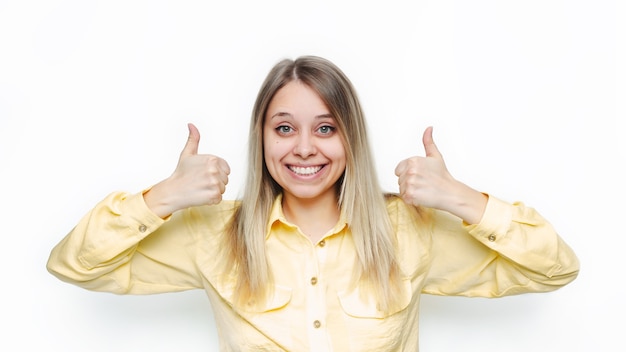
<point>495,223</point>
<point>124,219</point>
<point>146,220</point>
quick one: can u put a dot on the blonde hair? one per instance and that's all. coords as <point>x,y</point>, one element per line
<point>360,199</point>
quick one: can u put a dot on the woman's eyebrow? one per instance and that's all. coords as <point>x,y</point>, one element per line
<point>281,114</point>
<point>286,114</point>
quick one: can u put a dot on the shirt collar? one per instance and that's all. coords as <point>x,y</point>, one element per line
<point>276,214</point>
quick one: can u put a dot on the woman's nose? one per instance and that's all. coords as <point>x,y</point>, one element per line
<point>305,146</point>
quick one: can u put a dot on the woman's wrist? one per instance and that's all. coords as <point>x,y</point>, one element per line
<point>466,203</point>
<point>157,201</point>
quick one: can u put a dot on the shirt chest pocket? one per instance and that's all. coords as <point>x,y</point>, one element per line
<point>370,329</point>
<point>355,303</point>
<point>260,326</point>
<point>279,297</point>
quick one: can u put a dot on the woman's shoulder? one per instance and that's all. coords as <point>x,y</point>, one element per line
<point>223,208</point>
<point>398,209</point>
<point>412,226</point>
<point>210,219</point>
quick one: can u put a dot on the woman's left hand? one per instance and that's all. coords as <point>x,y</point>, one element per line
<point>425,181</point>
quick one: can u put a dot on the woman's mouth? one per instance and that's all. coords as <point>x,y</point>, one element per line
<point>305,171</point>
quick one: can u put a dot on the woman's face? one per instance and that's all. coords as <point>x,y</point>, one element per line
<point>303,148</point>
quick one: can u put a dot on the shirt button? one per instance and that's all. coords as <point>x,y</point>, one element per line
<point>313,280</point>
<point>322,243</point>
<point>143,228</point>
<point>317,324</point>
<point>491,238</point>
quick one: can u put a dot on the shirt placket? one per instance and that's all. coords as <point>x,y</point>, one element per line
<point>316,299</point>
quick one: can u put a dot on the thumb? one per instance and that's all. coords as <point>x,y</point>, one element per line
<point>429,144</point>
<point>191,147</point>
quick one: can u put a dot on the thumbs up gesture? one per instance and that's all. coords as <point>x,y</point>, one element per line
<point>425,181</point>
<point>199,179</point>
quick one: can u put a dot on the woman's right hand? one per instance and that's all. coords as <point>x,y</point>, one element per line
<point>199,179</point>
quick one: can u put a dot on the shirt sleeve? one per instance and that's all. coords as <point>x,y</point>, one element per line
<point>121,246</point>
<point>512,250</point>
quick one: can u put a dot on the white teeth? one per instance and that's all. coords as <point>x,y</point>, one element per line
<point>305,171</point>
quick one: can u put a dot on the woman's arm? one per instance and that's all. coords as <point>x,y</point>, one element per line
<point>482,246</point>
<point>512,250</point>
<point>124,245</point>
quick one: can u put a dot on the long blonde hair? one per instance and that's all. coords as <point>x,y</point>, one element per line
<point>360,199</point>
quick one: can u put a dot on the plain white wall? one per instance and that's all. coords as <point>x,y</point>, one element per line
<point>526,97</point>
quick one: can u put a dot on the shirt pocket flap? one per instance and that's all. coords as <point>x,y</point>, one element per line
<point>361,305</point>
<point>278,298</point>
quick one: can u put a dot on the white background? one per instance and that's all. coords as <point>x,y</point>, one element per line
<point>526,98</point>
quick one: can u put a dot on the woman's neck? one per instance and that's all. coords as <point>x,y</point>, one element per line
<point>314,217</point>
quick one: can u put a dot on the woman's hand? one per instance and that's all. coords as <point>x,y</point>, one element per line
<point>425,181</point>
<point>199,179</point>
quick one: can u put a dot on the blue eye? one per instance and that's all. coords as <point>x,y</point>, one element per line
<point>283,129</point>
<point>326,129</point>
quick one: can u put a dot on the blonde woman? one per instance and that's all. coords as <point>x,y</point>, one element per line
<point>314,257</point>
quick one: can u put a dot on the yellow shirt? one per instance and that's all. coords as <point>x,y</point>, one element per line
<point>122,247</point>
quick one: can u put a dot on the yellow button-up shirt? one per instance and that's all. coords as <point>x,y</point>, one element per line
<point>122,247</point>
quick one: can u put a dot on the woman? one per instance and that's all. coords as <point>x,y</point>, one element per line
<point>314,256</point>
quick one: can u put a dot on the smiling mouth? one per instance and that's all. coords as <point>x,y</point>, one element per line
<point>305,171</point>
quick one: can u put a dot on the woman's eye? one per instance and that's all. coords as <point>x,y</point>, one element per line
<point>283,129</point>
<point>326,129</point>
